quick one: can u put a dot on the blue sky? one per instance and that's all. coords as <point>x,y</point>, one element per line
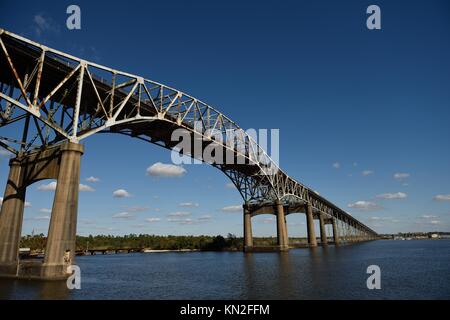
<point>354,107</point>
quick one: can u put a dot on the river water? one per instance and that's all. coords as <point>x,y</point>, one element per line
<point>416,269</point>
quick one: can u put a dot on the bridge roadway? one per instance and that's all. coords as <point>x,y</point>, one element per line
<point>50,101</point>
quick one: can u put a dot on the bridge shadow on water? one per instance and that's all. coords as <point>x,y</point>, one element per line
<point>33,289</point>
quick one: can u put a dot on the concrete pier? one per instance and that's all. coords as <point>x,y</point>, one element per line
<point>310,225</point>
<point>323,233</point>
<point>60,249</point>
<point>282,235</point>
<point>11,218</point>
<point>335,232</point>
<point>61,162</point>
<point>248,236</point>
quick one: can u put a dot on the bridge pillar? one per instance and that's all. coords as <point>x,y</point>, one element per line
<point>310,225</point>
<point>60,249</point>
<point>282,235</point>
<point>60,162</point>
<point>335,232</point>
<point>248,236</point>
<point>11,218</point>
<point>323,233</point>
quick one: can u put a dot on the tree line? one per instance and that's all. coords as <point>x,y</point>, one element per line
<point>155,242</point>
<point>101,242</point>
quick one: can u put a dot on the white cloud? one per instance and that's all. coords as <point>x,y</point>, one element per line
<point>189,204</point>
<point>43,23</point>
<point>47,187</point>
<point>27,204</point>
<point>205,217</point>
<point>435,222</point>
<point>355,164</point>
<point>102,228</point>
<point>230,185</point>
<point>92,179</point>
<point>366,173</point>
<point>428,216</point>
<point>52,187</point>
<point>336,165</point>
<point>189,221</point>
<point>181,220</point>
<point>86,188</point>
<point>124,215</point>
<point>383,219</point>
<point>392,196</point>
<point>45,210</point>
<point>151,220</point>
<point>236,208</point>
<point>136,209</point>
<point>364,206</point>
<point>87,222</point>
<point>267,220</point>
<point>179,214</point>
<point>186,221</point>
<point>121,193</point>
<point>165,170</point>
<point>39,218</point>
<point>401,175</point>
<point>442,197</point>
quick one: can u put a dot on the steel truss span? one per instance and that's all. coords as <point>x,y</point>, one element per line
<point>48,97</point>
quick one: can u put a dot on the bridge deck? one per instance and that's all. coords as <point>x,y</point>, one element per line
<point>114,101</point>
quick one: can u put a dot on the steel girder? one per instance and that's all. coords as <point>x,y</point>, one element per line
<point>53,96</point>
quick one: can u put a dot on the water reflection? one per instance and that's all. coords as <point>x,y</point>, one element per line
<point>333,272</point>
<point>33,289</point>
<point>7,287</point>
<point>54,290</point>
<point>285,273</point>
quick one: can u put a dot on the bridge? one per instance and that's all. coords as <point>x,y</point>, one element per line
<point>50,101</point>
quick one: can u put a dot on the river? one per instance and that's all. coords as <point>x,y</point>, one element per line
<point>416,269</point>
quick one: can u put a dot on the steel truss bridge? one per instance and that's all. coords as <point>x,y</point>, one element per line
<point>50,99</point>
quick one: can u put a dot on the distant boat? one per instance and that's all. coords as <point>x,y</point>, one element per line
<point>24,252</point>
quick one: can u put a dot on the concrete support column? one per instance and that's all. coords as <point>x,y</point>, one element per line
<point>323,233</point>
<point>335,232</point>
<point>282,235</point>
<point>248,236</point>
<point>60,250</point>
<point>11,218</point>
<point>310,226</point>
